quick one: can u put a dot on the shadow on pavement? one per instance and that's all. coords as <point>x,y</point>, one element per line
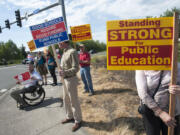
<point>46,103</point>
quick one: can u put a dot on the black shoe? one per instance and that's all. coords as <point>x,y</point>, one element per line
<point>21,107</point>
<point>85,92</point>
<point>54,84</point>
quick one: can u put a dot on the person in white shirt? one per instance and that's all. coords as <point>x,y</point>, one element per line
<point>35,77</point>
<point>155,115</point>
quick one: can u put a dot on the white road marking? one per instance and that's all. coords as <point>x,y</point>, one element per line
<point>3,90</point>
<point>7,67</point>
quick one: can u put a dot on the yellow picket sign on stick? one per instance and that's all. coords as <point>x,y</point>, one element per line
<point>31,45</point>
<point>140,44</point>
<point>81,33</point>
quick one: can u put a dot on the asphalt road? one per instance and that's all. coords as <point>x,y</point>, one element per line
<point>7,75</point>
<point>44,119</point>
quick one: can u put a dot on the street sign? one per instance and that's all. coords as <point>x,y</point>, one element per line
<point>140,44</point>
<point>81,33</point>
<point>36,11</point>
<point>49,33</point>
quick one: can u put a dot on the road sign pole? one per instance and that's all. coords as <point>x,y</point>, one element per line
<point>61,2</point>
<point>174,70</point>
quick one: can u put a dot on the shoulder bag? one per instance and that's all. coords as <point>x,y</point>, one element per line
<point>142,109</point>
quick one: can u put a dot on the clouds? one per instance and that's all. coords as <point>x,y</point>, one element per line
<point>94,12</point>
<point>24,4</point>
<point>124,9</point>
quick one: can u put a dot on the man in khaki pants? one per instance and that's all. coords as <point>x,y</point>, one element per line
<point>69,68</point>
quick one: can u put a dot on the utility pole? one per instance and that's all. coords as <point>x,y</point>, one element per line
<point>61,2</point>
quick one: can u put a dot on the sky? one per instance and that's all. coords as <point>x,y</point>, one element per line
<point>78,12</point>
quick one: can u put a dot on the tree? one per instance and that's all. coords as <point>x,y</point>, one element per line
<point>9,52</point>
<point>169,13</point>
<point>12,50</point>
<point>23,51</point>
<point>90,45</point>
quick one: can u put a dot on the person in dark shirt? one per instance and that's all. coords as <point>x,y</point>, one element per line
<point>41,67</point>
<point>52,67</point>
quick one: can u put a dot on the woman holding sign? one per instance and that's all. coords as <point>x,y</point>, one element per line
<point>153,89</point>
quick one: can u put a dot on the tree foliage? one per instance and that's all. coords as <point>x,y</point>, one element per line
<point>9,51</point>
<point>96,46</point>
<point>169,13</point>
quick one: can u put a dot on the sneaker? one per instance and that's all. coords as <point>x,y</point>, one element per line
<point>91,94</point>
<point>54,84</point>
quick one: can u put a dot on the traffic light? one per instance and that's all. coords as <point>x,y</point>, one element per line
<point>0,30</point>
<point>7,24</point>
<point>18,18</point>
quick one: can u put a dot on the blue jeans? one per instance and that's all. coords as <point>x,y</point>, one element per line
<point>86,78</point>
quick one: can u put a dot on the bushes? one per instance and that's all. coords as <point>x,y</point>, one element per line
<point>9,53</point>
<point>96,46</point>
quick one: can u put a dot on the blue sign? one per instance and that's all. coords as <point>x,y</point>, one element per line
<point>49,33</point>
<point>36,11</point>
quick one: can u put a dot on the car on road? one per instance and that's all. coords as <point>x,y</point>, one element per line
<point>25,61</point>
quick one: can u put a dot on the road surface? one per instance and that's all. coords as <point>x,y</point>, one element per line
<point>44,119</point>
<point>7,74</point>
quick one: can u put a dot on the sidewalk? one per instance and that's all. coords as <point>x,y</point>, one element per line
<point>44,119</point>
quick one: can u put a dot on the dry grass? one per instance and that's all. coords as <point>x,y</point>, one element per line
<point>113,109</point>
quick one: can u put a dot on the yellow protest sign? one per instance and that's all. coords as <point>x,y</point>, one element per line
<point>140,44</point>
<point>31,45</point>
<point>81,33</point>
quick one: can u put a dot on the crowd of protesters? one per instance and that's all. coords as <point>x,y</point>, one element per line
<point>153,88</point>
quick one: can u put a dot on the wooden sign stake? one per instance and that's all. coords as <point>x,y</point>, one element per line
<point>174,68</point>
<point>58,65</point>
